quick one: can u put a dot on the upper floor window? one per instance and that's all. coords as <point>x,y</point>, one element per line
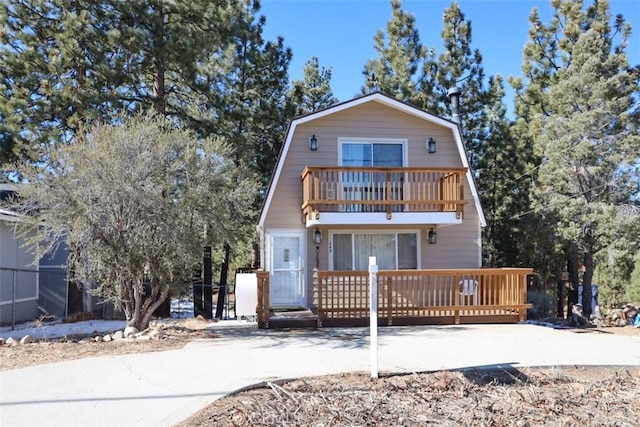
<point>367,153</point>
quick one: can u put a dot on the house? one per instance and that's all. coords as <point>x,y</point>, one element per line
<point>19,278</point>
<point>28,289</point>
<point>374,176</point>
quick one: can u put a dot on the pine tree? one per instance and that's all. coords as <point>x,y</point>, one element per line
<point>498,172</point>
<point>247,96</point>
<point>590,147</point>
<point>314,91</point>
<point>459,65</point>
<point>400,56</point>
<point>59,70</point>
<point>548,52</point>
<point>67,62</point>
<point>165,44</point>
<point>632,294</point>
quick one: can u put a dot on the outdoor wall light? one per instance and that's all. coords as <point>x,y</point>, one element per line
<point>313,143</point>
<point>317,237</point>
<point>433,237</point>
<point>431,146</point>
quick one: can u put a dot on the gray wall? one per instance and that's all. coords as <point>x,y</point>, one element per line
<point>18,278</point>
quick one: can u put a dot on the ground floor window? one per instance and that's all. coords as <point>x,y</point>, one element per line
<point>393,251</point>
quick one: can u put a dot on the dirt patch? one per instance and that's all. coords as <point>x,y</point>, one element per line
<point>525,397</point>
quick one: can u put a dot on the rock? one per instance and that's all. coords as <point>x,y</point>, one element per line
<point>86,341</point>
<point>597,314</point>
<point>156,334</point>
<point>629,313</point>
<point>106,338</point>
<point>11,341</point>
<point>577,317</point>
<point>118,335</point>
<point>615,314</point>
<point>98,339</point>
<point>144,338</point>
<point>27,339</point>
<point>130,332</point>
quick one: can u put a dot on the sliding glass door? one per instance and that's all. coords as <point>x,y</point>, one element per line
<point>363,185</point>
<point>393,251</point>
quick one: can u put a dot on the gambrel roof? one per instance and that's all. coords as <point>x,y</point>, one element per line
<point>380,98</point>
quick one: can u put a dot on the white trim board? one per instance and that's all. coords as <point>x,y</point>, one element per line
<point>380,218</point>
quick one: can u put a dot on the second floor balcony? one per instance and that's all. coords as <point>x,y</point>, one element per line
<point>387,192</point>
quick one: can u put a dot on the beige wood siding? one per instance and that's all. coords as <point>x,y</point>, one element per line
<point>371,120</point>
<point>458,245</point>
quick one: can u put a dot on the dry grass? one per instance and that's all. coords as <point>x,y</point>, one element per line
<point>531,397</point>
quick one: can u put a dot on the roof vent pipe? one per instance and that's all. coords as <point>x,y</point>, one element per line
<point>454,97</point>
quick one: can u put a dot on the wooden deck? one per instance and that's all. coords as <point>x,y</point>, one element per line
<point>406,297</point>
<point>390,190</point>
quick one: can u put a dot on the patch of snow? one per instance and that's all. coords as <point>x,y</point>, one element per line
<point>57,329</point>
<point>182,308</point>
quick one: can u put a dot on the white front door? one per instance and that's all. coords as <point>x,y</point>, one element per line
<point>287,272</point>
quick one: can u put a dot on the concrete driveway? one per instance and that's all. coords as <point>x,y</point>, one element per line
<point>160,389</point>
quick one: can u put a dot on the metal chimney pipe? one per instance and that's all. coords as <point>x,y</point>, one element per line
<point>454,97</point>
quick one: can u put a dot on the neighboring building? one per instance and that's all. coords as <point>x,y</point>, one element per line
<point>19,279</point>
<point>28,290</point>
<point>54,288</point>
<point>372,176</point>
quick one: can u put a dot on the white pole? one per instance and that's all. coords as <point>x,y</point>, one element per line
<point>373,315</point>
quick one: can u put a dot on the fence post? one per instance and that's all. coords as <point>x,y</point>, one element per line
<point>320,306</point>
<point>13,302</point>
<point>373,315</point>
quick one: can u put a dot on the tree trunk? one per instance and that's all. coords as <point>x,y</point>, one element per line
<point>255,259</point>
<point>560,305</point>
<point>198,295</point>
<point>143,313</point>
<point>572,294</point>
<point>74,298</point>
<point>160,101</point>
<point>207,284</point>
<point>224,272</point>
<point>141,298</point>
<point>587,278</point>
<point>74,291</point>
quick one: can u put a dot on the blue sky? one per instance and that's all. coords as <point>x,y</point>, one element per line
<point>340,32</point>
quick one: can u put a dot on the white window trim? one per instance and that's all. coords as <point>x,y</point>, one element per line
<point>415,231</point>
<point>345,140</point>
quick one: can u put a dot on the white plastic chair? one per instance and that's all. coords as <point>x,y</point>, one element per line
<point>468,287</point>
